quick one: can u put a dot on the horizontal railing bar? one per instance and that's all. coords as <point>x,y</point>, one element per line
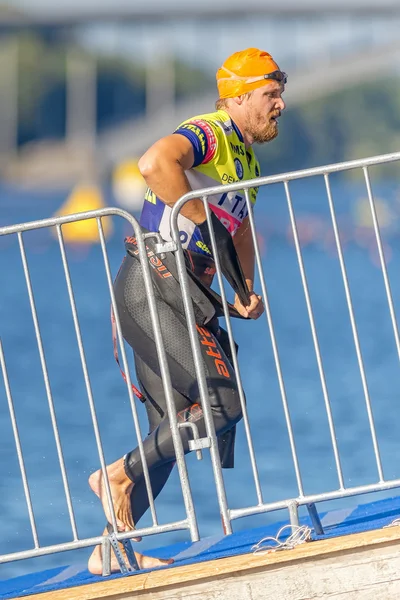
<point>237,513</point>
<point>76,545</point>
<point>102,212</point>
<point>290,176</point>
<point>52,221</point>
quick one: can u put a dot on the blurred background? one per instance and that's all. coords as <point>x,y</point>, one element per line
<point>86,86</point>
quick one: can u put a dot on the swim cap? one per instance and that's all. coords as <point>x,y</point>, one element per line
<point>244,71</point>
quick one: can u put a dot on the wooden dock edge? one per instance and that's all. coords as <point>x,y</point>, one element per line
<point>361,566</point>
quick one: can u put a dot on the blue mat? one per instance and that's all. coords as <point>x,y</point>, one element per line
<point>364,517</point>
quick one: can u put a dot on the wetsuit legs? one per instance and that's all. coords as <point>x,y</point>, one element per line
<point>139,497</point>
<point>152,388</point>
<point>137,330</point>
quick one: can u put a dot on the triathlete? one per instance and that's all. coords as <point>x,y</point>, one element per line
<point>205,150</point>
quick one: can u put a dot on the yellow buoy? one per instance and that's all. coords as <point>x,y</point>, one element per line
<point>84,197</point>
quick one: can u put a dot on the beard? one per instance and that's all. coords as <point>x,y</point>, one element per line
<point>261,132</point>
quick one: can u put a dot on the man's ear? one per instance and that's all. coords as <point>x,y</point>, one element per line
<point>238,100</point>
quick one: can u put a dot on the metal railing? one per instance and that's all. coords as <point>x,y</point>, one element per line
<point>227,514</point>
<point>292,504</point>
<point>189,522</point>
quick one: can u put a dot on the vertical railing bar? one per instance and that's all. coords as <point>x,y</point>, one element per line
<point>198,363</point>
<point>48,388</point>
<point>355,332</point>
<point>167,385</point>
<point>382,259</point>
<point>246,421</point>
<point>19,447</point>
<point>348,298</point>
<point>275,349</point>
<point>86,374</point>
<point>127,373</point>
<point>313,329</point>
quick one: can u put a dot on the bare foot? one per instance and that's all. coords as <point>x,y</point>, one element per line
<point>121,487</point>
<point>95,565</point>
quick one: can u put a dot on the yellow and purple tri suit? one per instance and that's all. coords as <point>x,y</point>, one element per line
<point>220,157</point>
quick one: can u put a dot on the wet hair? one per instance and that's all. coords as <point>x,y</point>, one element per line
<point>221,103</point>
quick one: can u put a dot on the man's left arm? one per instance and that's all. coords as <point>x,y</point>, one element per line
<point>243,242</point>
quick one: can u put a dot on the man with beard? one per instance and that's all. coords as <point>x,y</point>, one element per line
<point>204,151</point>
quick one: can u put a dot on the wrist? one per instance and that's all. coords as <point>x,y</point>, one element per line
<point>195,211</point>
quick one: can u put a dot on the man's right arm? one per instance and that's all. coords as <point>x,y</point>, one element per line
<point>163,167</point>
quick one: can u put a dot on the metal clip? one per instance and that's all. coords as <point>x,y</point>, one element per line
<point>106,556</point>
<point>127,544</point>
<point>162,247</point>
<point>197,443</point>
<point>132,562</point>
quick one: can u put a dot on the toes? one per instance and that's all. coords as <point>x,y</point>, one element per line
<point>148,562</point>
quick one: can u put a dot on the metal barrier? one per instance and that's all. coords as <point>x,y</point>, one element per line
<point>309,501</point>
<point>227,514</point>
<point>189,522</point>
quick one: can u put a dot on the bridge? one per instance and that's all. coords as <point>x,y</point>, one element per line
<point>320,79</point>
<point>74,13</point>
<point>371,48</point>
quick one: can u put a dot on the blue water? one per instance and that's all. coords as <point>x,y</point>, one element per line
<point>296,351</point>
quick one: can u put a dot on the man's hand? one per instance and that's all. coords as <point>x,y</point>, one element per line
<point>254,310</point>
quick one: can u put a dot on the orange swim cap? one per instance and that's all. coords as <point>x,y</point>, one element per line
<point>235,76</point>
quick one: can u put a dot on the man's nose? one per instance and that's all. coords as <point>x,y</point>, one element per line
<point>280,103</point>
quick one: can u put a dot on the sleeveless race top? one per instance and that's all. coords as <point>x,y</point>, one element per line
<point>220,157</point>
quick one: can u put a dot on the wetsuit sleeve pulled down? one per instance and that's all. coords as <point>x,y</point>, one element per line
<point>230,264</point>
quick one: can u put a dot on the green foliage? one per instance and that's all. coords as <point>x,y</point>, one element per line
<point>42,68</point>
<point>37,69</point>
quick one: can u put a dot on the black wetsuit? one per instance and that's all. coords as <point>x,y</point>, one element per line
<point>137,330</point>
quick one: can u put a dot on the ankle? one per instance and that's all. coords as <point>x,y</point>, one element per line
<point>117,474</point>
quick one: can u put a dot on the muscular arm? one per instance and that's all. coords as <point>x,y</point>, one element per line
<point>163,167</point>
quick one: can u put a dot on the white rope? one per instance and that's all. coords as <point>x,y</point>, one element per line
<point>299,535</point>
<point>394,523</point>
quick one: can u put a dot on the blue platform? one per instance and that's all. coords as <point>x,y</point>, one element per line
<point>364,517</point>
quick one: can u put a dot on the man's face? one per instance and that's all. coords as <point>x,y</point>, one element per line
<point>263,107</point>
